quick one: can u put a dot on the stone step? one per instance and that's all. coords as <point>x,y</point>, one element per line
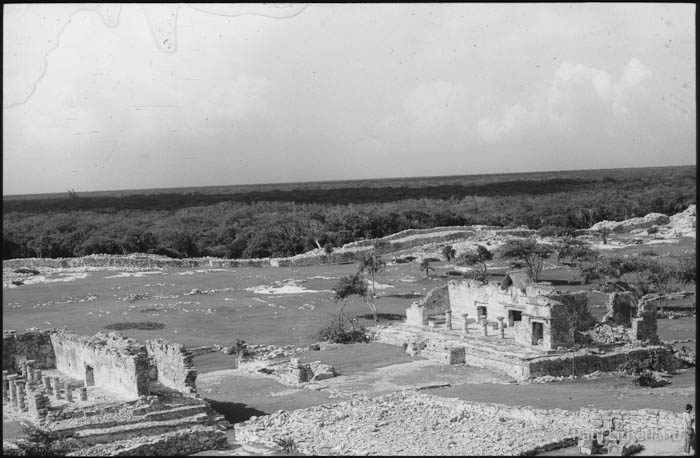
<point>176,412</point>
<point>186,440</point>
<point>144,428</point>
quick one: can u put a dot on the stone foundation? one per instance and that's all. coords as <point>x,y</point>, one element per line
<point>503,355</point>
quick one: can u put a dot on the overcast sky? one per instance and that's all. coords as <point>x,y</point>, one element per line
<point>130,97</point>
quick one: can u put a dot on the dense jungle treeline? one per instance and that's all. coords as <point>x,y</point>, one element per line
<point>276,223</point>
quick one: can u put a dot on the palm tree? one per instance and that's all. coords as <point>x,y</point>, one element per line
<point>449,253</point>
<point>353,285</point>
<point>425,265</point>
<point>371,263</point>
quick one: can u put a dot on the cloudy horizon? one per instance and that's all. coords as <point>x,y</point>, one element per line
<point>117,97</point>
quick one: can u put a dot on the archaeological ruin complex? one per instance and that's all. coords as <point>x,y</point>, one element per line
<point>109,391</point>
<point>522,328</point>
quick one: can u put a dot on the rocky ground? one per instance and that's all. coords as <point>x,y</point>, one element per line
<point>407,423</point>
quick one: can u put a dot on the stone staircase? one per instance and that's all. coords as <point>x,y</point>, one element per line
<point>172,430</point>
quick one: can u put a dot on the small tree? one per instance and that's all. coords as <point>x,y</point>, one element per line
<point>425,266</point>
<point>354,285</point>
<point>603,233</point>
<point>639,275</point>
<point>528,251</point>
<point>328,249</point>
<point>372,264</point>
<point>481,255</point>
<point>449,253</point>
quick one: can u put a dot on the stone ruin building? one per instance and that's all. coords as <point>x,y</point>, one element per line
<point>50,376</point>
<point>525,329</point>
<point>538,315</point>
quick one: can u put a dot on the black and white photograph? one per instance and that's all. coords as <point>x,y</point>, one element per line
<point>349,229</point>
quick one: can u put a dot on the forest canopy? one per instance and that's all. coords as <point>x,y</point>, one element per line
<point>279,223</point>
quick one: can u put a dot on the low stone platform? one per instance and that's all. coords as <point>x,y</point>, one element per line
<point>504,354</point>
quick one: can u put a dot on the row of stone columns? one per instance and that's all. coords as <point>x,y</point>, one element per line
<point>14,388</point>
<point>484,324</point>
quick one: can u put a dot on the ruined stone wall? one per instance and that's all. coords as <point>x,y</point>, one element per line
<point>620,308</point>
<point>117,364</point>
<point>34,345</point>
<point>174,364</point>
<point>436,301</point>
<point>569,364</point>
<point>644,325</point>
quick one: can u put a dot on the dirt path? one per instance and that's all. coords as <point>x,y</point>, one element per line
<point>602,393</point>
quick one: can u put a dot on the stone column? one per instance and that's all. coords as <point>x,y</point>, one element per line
<point>12,386</point>
<point>47,383</point>
<point>57,387</point>
<point>448,319</point>
<point>484,328</point>
<point>83,393</point>
<point>465,323</point>
<point>501,327</point>
<point>21,395</point>
<point>69,392</point>
<point>5,388</point>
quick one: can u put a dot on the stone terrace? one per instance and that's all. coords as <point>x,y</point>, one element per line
<point>503,353</point>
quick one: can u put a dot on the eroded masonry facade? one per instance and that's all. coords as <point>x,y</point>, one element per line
<point>526,329</point>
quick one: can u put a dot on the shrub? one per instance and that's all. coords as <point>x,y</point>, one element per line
<point>652,363</point>
<point>337,332</point>
<point>476,275</point>
<point>648,253</point>
<point>145,325</point>
<point>238,348</point>
<point>24,270</point>
<point>288,444</point>
<point>556,231</point>
<point>649,379</point>
<point>41,442</point>
<point>653,230</point>
<point>381,243</point>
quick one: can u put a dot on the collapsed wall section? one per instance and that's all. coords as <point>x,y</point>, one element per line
<point>32,345</point>
<point>110,361</point>
<point>174,364</point>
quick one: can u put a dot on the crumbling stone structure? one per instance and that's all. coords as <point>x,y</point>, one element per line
<point>540,315</point>
<point>621,307</point>
<point>307,372</point>
<point>32,345</point>
<point>109,360</point>
<point>164,418</point>
<point>639,317</point>
<point>644,324</point>
<point>433,306</point>
<point>174,365</point>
